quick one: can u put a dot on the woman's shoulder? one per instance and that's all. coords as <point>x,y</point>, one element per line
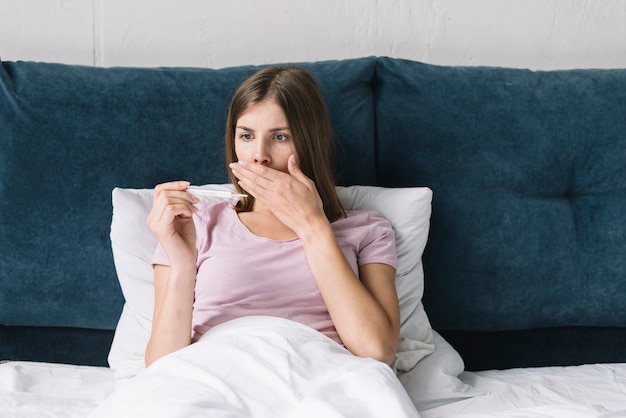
<point>369,233</point>
<point>362,216</point>
<point>366,221</point>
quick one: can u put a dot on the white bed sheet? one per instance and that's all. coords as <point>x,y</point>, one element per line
<point>592,390</point>
<point>30,389</point>
<point>42,390</point>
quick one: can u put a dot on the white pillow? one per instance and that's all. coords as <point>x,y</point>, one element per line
<point>133,244</point>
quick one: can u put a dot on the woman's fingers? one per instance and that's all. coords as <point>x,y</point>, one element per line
<point>265,184</point>
<point>294,170</point>
<point>256,178</point>
<point>292,196</point>
<point>170,201</point>
<point>259,177</point>
<point>170,186</point>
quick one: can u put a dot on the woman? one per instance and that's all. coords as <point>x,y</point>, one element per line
<point>288,249</point>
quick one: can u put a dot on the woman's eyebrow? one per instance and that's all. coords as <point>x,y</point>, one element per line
<point>245,128</point>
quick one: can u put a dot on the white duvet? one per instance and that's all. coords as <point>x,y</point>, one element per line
<point>270,367</point>
<point>261,367</point>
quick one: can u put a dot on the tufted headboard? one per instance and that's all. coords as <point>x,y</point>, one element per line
<point>528,229</point>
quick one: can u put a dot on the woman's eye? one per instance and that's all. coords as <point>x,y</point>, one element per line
<point>245,137</point>
<point>281,137</point>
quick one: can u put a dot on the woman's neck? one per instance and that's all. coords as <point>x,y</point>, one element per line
<point>263,223</point>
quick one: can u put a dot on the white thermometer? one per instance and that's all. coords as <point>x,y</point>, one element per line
<point>225,194</point>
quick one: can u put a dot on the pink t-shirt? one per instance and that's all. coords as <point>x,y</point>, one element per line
<point>242,274</point>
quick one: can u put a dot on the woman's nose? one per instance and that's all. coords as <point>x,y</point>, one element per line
<point>262,156</point>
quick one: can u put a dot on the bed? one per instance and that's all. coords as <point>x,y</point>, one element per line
<point>506,189</point>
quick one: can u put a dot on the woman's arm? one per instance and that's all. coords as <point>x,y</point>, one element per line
<point>173,305</point>
<point>365,311</point>
<point>171,221</point>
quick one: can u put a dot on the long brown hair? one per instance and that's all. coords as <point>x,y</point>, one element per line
<point>295,91</point>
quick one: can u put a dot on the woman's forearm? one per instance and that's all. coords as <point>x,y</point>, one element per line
<point>171,323</point>
<point>366,328</point>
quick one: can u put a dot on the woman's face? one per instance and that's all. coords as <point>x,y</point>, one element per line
<point>262,136</point>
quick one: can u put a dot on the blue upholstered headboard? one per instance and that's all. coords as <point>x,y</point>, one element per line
<point>529,211</point>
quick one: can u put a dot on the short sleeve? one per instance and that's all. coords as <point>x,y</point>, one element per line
<point>379,242</point>
<point>159,256</point>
